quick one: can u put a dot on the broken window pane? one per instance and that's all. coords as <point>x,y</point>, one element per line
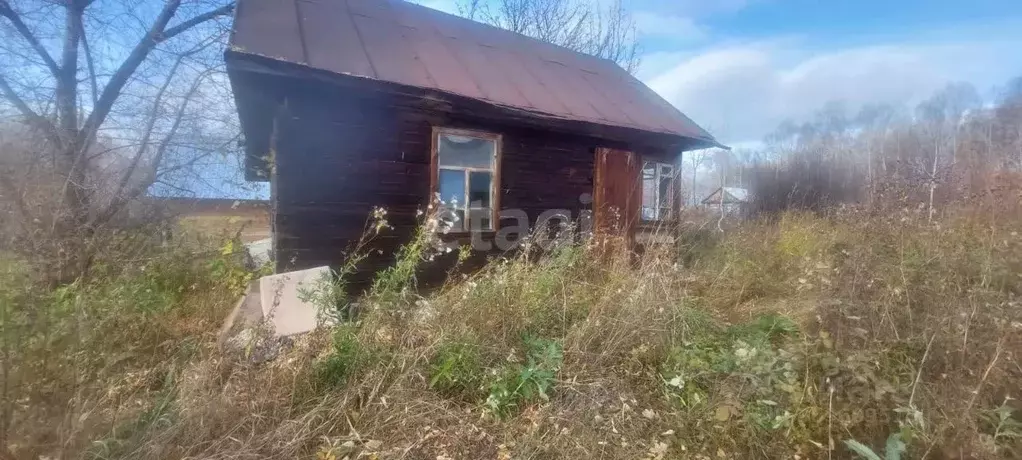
<point>465,151</point>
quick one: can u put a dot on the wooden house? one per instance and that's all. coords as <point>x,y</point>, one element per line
<point>350,104</point>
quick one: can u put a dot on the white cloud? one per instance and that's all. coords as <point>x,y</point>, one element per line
<point>742,92</point>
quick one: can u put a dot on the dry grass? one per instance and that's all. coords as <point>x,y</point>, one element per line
<point>781,339</point>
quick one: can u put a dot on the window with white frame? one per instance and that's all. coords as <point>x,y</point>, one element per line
<point>466,177</point>
<point>657,190</point>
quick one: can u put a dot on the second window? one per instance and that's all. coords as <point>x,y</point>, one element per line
<point>657,190</point>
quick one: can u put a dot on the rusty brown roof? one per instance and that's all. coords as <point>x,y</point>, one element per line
<point>400,42</point>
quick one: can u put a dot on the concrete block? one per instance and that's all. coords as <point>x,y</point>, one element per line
<point>281,303</point>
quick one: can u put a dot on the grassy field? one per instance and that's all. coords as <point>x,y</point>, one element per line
<point>249,228</point>
<point>799,337</point>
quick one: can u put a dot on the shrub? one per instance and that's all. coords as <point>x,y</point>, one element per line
<point>105,347</point>
<point>518,385</point>
<point>693,372</point>
<point>696,243</point>
<point>346,357</point>
<point>457,369</point>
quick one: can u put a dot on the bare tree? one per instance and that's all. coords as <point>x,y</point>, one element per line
<point>117,94</point>
<point>604,31</point>
<point>942,116</point>
<point>697,158</point>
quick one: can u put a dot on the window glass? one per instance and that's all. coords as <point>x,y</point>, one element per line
<point>481,215</point>
<point>479,189</point>
<point>465,152</point>
<point>452,188</point>
<point>664,195</point>
<point>657,190</point>
<point>465,175</point>
<point>648,184</point>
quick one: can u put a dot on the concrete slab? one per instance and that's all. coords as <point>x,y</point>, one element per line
<point>281,302</point>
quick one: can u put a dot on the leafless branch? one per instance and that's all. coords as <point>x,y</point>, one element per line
<point>185,25</point>
<point>147,132</point>
<point>121,199</point>
<point>31,117</point>
<point>157,33</point>
<point>606,31</point>
<point>90,64</point>
<point>8,12</point>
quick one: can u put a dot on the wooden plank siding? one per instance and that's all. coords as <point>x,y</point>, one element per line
<point>339,153</point>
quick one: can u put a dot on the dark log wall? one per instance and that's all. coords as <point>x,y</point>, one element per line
<point>339,154</point>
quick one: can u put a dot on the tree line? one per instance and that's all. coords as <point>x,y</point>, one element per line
<point>952,146</point>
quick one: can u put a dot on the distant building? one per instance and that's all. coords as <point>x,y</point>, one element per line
<point>734,200</point>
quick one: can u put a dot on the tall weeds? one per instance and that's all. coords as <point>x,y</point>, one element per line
<point>785,337</point>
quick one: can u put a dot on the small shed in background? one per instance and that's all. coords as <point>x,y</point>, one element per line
<point>733,200</point>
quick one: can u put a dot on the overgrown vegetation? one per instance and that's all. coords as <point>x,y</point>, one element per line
<point>838,336</point>
<point>90,365</point>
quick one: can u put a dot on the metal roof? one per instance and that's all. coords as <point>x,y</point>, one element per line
<point>399,42</point>
<point>739,194</point>
<point>731,195</point>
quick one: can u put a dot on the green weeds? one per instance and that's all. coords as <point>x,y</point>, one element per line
<point>519,384</point>
<point>347,356</point>
<point>457,369</point>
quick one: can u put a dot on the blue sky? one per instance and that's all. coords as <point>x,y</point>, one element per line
<point>740,67</point>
